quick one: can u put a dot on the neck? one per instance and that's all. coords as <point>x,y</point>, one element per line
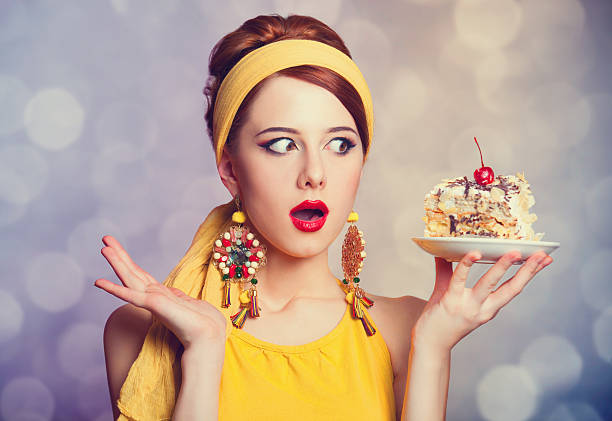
<point>285,278</point>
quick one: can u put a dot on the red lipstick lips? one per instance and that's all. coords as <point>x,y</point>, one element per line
<point>309,216</point>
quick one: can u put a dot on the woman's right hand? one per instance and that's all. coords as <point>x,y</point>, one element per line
<point>193,321</point>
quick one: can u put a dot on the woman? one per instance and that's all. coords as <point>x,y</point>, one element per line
<point>290,119</point>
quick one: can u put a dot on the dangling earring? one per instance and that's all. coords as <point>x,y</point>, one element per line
<point>353,253</point>
<point>238,255</point>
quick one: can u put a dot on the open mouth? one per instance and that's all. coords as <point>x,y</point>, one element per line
<point>308,214</point>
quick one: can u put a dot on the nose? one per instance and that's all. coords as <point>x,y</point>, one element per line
<point>313,173</point>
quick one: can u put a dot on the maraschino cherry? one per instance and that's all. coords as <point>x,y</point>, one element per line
<point>483,175</point>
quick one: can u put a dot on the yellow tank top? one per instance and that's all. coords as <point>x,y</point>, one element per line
<point>345,375</point>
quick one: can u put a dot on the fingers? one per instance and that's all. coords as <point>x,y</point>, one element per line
<point>112,242</point>
<point>444,271</point>
<point>457,282</point>
<point>513,286</point>
<point>126,294</point>
<point>123,272</point>
<point>486,284</point>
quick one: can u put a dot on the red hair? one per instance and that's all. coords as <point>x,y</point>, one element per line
<point>262,30</point>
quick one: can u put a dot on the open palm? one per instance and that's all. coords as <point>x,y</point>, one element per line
<point>191,320</point>
<point>453,310</point>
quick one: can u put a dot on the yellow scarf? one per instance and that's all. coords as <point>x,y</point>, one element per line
<point>152,384</point>
<point>150,390</point>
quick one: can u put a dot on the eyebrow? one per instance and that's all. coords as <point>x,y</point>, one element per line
<point>294,131</point>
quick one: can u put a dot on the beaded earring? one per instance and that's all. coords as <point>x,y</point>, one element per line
<point>353,253</point>
<point>238,255</point>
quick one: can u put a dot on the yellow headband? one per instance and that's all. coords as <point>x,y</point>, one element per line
<point>269,59</point>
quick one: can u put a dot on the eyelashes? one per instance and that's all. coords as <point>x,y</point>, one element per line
<point>278,146</point>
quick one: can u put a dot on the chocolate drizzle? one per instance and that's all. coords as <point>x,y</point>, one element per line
<point>453,225</point>
<point>503,184</point>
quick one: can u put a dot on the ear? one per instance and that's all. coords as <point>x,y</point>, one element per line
<point>227,173</point>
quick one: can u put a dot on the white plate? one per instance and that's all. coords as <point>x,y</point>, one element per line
<point>454,248</point>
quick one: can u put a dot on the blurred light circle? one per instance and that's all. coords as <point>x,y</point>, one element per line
<point>595,280</point>
<point>597,205</point>
<point>11,317</point>
<point>324,10</point>
<point>54,281</point>
<point>574,411</point>
<point>14,95</point>
<point>501,388</point>
<point>501,81</point>
<point>25,398</point>
<point>456,61</point>
<point>23,173</point>
<point>85,243</point>
<point>125,131</point>
<point>483,24</point>
<point>553,362</point>
<point>406,95</point>
<point>551,104</point>
<point>602,335</point>
<point>79,350</point>
<point>53,118</point>
<point>370,48</point>
<point>177,231</point>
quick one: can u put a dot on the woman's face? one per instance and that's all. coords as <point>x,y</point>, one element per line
<point>297,142</point>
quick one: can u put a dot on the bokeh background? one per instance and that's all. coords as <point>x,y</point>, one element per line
<point>102,132</point>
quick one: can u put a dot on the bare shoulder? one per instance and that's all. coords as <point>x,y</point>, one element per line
<point>402,310</point>
<point>124,334</point>
<point>395,317</point>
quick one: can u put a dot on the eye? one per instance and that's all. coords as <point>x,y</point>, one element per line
<point>280,145</point>
<point>342,144</point>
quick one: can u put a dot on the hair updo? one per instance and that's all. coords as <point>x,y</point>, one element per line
<point>265,29</point>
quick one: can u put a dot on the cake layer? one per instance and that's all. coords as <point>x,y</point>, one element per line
<point>460,207</point>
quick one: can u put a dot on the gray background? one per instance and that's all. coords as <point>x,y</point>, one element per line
<point>102,132</point>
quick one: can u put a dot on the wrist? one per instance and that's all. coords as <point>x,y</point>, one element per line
<point>211,353</point>
<point>425,344</point>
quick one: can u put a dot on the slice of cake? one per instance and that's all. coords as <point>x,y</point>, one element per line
<point>463,208</point>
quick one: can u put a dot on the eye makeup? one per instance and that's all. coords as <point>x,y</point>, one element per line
<point>268,145</point>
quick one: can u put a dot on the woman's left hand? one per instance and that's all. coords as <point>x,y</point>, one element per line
<point>453,310</point>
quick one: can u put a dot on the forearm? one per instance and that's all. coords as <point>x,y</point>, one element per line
<point>198,397</point>
<point>426,391</point>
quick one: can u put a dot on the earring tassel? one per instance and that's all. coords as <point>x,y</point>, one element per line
<point>357,310</point>
<point>254,310</point>
<point>239,318</point>
<point>226,295</point>
<point>367,302</point>
<point>367,324</point>
<point>359,313</point>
